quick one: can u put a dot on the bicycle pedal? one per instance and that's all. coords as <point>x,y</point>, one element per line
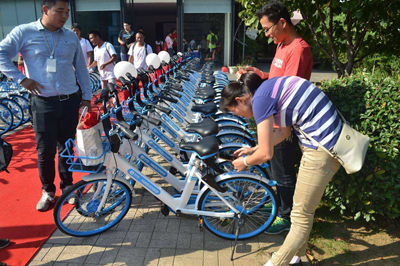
<point>165,210</point>
<point>201,224</point>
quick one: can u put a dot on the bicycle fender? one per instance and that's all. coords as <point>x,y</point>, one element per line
<point>97,176</point>
<point>233,174</point>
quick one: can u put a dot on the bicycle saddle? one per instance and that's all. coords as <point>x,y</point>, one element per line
<point>206,147</point>
<point>207,127</point>
<point>205,109</point>
<point>205,95</point>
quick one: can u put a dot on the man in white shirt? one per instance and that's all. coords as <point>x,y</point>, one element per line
<point>104,58</point>
<point>86,47</point>
<point>139,51</point>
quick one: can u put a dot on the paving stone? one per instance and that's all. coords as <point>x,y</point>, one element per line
<point>152,256</point>
<point>131,238</point>
<point>144,239</point>
<point>211,257</point>
<point>71,257</point>
<point>166,257</point>
<point>95,255</point>
<point>77,249</point>
<point>42,252</point>
<point>184,240</point>
<point>189,253</point>
<point>161,226</point>
<point>164,240</point>
<point>224,257</point>
<point>109,255</point>
<point>42,263</point>
<point>188,262</point>
<point>53,253</point>
<point>173,225</point>
<point>197,241</point>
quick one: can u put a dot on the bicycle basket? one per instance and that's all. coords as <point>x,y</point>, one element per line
<point>75,161</point>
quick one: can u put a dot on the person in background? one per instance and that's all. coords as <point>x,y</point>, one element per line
<point>169,42</point>
<point>21,66</point>
<point>212,40</point>
<point>193,45</point>
<point>51,52</point>
<point>174,37</point>
<point>125,38</point>
<point>104,58</point>
<point>86,47</point>
<point>138,51</point>
<point>293,57</point>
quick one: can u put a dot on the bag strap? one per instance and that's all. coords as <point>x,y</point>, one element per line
<point>305,135</point>
<point>109,52</point>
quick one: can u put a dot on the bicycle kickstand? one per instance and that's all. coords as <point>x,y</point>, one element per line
<point>239,224</point>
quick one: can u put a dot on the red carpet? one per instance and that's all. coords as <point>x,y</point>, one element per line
<point>20,190</point>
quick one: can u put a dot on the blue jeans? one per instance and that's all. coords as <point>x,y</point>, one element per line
<point>124,57</point>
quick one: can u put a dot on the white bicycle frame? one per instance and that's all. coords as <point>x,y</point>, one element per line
<point>114,161</point>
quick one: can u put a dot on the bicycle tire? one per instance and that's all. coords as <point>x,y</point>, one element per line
<point>82,220</point>
<point>235,137</point>
<point>6,119</point>
<point>24,103</point>
<point>16,109</point>
<point>224,228</point>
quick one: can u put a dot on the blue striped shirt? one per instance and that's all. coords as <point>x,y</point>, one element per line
<point>296,101</point>
<point>28,40</point>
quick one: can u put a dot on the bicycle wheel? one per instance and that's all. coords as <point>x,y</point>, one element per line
<point>24,103</point>
<point>249,196</point>
<point>84,220</point>
<point>16,109</point>
<point>233,137</point>
<point>6,119</point>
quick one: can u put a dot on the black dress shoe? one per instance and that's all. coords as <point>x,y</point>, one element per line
<point>3,264</point>
<point>4,243</point>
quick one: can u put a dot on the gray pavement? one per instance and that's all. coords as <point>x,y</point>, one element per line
<point>146,237</point>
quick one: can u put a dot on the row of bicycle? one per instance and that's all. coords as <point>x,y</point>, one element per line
<point>14,106</point>
<point>176,115</point>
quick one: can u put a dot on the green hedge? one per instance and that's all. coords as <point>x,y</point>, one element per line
<point>372,105</point>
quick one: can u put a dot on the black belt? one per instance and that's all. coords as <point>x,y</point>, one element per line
<point>60,98</point>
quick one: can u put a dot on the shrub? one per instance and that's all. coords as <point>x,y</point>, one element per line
<point>371,105</point>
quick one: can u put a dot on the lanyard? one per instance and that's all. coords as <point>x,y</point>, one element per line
<point>54,47</point>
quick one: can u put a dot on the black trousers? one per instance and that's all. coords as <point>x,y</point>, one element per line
<point>54,122</point>
<point>286,155</point>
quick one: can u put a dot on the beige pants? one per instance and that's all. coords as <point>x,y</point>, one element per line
<point>316,170</point>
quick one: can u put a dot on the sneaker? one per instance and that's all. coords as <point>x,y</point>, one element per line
<point>278,226</point>
<point>267,207</point>
<point>44,202</point>
<point>71,198</point>
<point>296,261</point>
<point>4,243</point>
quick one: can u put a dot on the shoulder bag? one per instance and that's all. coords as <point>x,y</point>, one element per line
<point>350,148</point>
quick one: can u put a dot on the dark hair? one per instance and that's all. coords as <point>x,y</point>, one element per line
<point>95,33</point>
<point>127,22</point>
<point>274,10</point>
<point>51,3</point>
<point>140,32</point>
<point>76,26</point>
<point>247,84</point>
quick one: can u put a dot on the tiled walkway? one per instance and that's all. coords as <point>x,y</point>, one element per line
<point>146,237</point>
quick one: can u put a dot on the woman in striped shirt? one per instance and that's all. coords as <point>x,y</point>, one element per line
<point>289,102</point>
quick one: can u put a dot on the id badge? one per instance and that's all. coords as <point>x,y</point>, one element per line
<point>51,65</point>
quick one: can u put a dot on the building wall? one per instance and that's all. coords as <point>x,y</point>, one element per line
<point>16,12</point>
